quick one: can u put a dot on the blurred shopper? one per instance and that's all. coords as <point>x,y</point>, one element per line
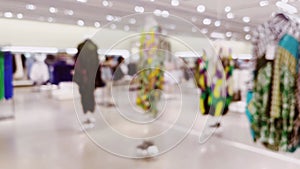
<point>121,69</point>
<point>86,76</point>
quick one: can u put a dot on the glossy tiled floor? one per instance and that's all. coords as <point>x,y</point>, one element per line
<point>45,134</point>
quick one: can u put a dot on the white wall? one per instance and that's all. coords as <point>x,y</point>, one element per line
<point>42,34</point>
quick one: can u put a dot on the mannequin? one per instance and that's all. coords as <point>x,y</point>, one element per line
<point>39,71</point>
<point>154,50</point>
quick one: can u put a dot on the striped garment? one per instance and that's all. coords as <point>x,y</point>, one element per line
<point>283,87</point>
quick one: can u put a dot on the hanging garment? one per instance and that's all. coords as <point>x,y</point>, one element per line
<point>39,72</point>
<point>62,72</point>
<point>273,103</point>
<point>19,73</point>
<point>276,120</point>
<point>151,76</point>
<point>248,113</point>
<point>217,95</point>
<point>99,81</point>
<point>29,63</point>
<point>87,64</point>
<point>283,87</point>
<point>2,78</point>
<point>203,84</point>
<point>260,103</point>
<point>228,65</point>
<point>8,74</point>
<point>271,31</point>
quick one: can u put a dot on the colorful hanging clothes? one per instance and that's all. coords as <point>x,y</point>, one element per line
<point>273,104</point>
<point>216,95</point>
<point>2,85</point>
<point>259,104</point>
<point>283,96</point>
<point>151,76</point>
<point>228,68</point>
<point>203,84</point>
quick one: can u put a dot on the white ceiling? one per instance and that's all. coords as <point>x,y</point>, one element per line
<point>94,11</point>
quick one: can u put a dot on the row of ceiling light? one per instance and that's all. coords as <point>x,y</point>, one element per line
<point>140,9</point>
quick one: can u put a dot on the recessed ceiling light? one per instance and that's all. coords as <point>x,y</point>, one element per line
<point>263,3</point>
<point>50,19</point>
<point>82,1</point>
<point>206,21</point>
<point>246,19</point>
<point>285,1</point>
<point>8,14</point>
<point>80,22</point>
<point>19,16</point>
<point>201,8</point>
<point>230,15</point>
<point>132,21</point>
<point>165,14</point>
<point>248,37</point>
<point>105,3</point>
<point>194,19</point>
<point>157,12</point>
<point>217,23</point>
<point>30,7</point>
<point>109,18</point>
<point>175,2</point>
<point>53,10</point>
<point>97,24</point>
<point>126,28</point>
<point>68,12</point>
<point>139,9</point>
<point>152,0</point>
<point>227,9</point>
<point>228,34</point>
<point>113,26</point>
<point>246,28</point>
<point>204,31</point>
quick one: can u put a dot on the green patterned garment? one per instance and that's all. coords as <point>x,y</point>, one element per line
<point>259,104</point>
<point>273,106</point>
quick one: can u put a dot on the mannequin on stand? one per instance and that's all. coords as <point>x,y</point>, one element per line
<point>153,51</point>
<point>39,71</point>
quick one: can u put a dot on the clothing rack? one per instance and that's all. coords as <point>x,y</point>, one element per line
<point>8,96</point>
<point>273,123</point>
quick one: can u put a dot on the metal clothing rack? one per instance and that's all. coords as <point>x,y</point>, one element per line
<point>12,104</point>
